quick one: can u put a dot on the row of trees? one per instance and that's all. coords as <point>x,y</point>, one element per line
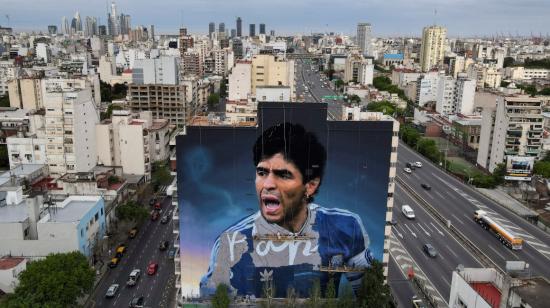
<point>373,292</point>
<point>429,149</point>
<point>528,63</point>
<point>109,93</point>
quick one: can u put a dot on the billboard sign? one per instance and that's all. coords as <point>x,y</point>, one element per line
<point>519,168</point>
<point>280,205</point>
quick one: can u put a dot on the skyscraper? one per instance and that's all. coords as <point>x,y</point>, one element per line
<point>252,30</point>
<point>239,27</point>
<point>221,27</point>
<point>112,21</point>
<point>90,26</point>
<point>78,21</point>
<point>262,28</point>
<point>65,25</point>
<point>432,49</point>
<point>211,28</point>
<point>364,36</point>
<point>52,29</point>
<point>233,33</point>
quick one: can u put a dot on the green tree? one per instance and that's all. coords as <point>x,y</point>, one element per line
<point>409,135</point>
<point>383,106</point>
<point>161,175</point>
<point>499,173</point>
<point>338,83</point>
<point>119,91</point>
<point>5,101</point>
<point>106,92</point>
<point>223,88</point>
<point>109,112</point>
<point>213,100</point>
<point>314,299</point>
<point>330,294</point>
<point>373,291</point>
<point>56,281</point>
<point>221,297</point>
<point>545,91</point>
<point>542,168</point>
<point>346,300</point>
<point>428,148</point>
<point>354,99</point>
<point>132,211</point>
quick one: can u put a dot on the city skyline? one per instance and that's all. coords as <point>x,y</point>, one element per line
<point>398,17</point>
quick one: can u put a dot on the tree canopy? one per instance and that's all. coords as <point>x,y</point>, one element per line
<point>373,291</point>
<point>131,211</point>
<point>56,281</point>
<point>383,106</point>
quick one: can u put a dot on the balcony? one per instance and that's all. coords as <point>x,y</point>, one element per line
<point>177,257</point>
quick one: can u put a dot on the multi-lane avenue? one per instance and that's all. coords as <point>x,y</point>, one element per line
<point>157,290</point>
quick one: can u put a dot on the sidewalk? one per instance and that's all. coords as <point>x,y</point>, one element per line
<point>503,198</point>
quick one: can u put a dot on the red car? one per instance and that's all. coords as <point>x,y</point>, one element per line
<point>154,215</point>
<point>158,205</point>
<point>152,268</point>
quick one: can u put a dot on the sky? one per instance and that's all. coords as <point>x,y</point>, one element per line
<point>388,17</point>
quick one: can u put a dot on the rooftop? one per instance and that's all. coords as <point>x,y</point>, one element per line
<point>71,210</point>
<point>13,213</point>
<point>7,263</point>
<point>489,292</point>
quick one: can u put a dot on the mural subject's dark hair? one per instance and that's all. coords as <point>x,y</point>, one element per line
<point>296,145</point>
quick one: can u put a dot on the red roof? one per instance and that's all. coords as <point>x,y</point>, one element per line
<point>489,293</point>
<point>7,263</point>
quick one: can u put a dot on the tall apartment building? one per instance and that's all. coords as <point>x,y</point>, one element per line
<point>185,41</point>
<point>262,28</point>
<point>358,69</point>
<point>132,142</point>
<point>268,70</point>
<point>163,70</point>
<point>164,101</point>
<point>69,122</point>
<point>240,81</point>
<point>513,127</point>
<point>25,93</point>
<point>455,95</point>
<point>211,28</point>
<point>427,88</point>
<point>223,60</point>
<point>252,30</point>
<point>8,71</point>
<point>192,64</point>
<point>432,49</point>
<point>364,36</point>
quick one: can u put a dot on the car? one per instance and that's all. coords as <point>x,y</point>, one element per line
<point>411,165</point>
<point>158,205</point>
<point>133,277</point>
<point>418,164</point>
<point>407,211</point>
<point>430,250</point>
<point>154,215</point>
<point>111,292</point>
<point>119,252</point>
<point>393,222</point>
<point>114,262</point>
<point>152,268</point>
<point>152,201</point>
<point>133,232</point>
<point>407,170</point>
<point>164,245</point>
<point>137,302</point>
<point>426,186</point>
<point>172,253</point>
<point>165,219</point>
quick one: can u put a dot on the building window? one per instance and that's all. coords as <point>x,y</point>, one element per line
<point>82,232</point>
<point>96,216</point>
<point>101,211</point>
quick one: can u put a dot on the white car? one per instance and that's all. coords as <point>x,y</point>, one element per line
<point>407,211</point>
<point>407,170</point>
<point>133,278</point>
<point>111,292</point>
<point>418,164</point>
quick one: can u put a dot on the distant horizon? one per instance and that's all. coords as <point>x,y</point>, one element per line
<point>462,18</point>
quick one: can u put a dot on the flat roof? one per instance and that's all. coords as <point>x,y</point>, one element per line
<point>71,210</point>
<point>20,171</point>
<point>13,213</point>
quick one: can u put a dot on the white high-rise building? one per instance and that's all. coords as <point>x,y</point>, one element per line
<point>364,36</point>
<point>240,85</point>
<point>163,70</point>
<point>433,47</point>
<point>70,119</point>
<point>513,127</point>
<point>455,95</point>
<point>427,86</point>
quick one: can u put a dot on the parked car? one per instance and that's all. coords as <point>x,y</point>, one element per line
<point>158,205</point>
<point>172,253</point>
<point>133,232</point>
<point>114,262</point>
<point>120,250</point>
<point>407,211</point>
<point>164,245</point>
<point>137,302</point>
<point>133,277</point>
<point>154,215</point>
<point>152,268</point>
<point>393,222</point>
<point>418,164</point>
<point>411,166</point>
<point>426,186</point>
<point>407,170</point>
<point>111,292</point>
<point>430,250</point>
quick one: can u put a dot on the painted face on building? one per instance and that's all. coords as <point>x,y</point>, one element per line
<point>282,193</point>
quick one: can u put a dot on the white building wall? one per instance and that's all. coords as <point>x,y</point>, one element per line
<point>463,295</point>
<point>486,137</point>
<point>427,88</point>
<point>85,119</point>
<point>132,155</point>
<point>9,277</point>
<point>240,85</point>
<point>273,94</point>
<point>104,147</point>
<point>466,89</point>
<point>366,73</point>
<point>29,150</point>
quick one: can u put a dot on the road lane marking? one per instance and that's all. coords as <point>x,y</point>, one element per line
<point>446,281</point>
<point>440,195</point>
<point>457,219</point>
<point>439,231</point>
<point>430,195</point>
<point>427,233</point>
<point>495,251</point>
<point>413,234</point>
<point>452,252</point>
<point>467,217</point>
<point>428,227</point>
<point>450,194</point>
